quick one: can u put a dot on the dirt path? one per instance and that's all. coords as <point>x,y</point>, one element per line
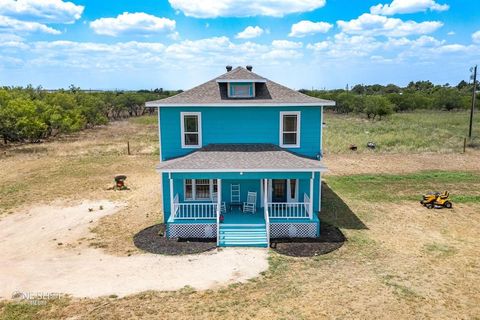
<point>42,251</point>
<point>347,164</point>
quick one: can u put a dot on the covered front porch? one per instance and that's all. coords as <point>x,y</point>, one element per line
<point>234,205</point>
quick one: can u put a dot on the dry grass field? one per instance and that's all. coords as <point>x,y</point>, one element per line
<point>401,261</point>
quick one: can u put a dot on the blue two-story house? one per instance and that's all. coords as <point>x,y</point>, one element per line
<point>240,160</point>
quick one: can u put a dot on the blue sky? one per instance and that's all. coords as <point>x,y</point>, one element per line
<point>180,43</point>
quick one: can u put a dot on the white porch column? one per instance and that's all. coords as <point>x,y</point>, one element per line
<point>219,208</point>
<point>265,208</point>
<point>219,196</point>
<point>172,212</point>
<point>265,193</point>
<point>310,205</point>
<point>319,191</point>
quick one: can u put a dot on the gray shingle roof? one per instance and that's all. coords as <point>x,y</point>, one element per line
<point>215,93</point>
<point>240,73</point>
<point>240,157</point>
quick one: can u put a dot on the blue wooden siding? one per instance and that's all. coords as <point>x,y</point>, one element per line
<point>239,125</point>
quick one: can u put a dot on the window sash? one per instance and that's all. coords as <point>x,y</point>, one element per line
<point>199,189</point>
<point>290,129</point>
<point>191,129</point>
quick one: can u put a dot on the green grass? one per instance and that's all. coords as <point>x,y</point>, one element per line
<point>463,186</point>
<point>440,250</point>
<point>421,131</point>
<point>19,311</point>
<point>402,291</point>
<point>145,120</point>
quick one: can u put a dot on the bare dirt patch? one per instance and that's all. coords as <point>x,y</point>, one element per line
<point>42,251</point>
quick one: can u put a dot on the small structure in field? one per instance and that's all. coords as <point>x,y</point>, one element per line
<point>120,182</point>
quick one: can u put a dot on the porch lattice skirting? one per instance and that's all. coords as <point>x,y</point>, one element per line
<point>293,230</point>
<point>192,230</point>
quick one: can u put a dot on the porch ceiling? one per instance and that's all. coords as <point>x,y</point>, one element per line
<point>241,158</point>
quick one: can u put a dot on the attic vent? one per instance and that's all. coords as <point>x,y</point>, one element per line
<point>229,68</point>
<point>249,68</point>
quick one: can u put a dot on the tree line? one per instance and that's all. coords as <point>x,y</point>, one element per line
<point>377,101</point>
<point>32,114</point>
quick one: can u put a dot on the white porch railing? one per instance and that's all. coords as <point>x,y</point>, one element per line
<point>290,210</point>
<point>194,210</point>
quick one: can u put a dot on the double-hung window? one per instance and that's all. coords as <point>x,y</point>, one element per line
<point>191,123</point>
<point>290,129</point>
<point>199,189</point>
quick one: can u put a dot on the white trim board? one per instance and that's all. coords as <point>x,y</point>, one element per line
<point>254,103</point>
<point>320,169</point>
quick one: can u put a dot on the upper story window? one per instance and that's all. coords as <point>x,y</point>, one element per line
<point>241,90</point>
<point>191,129</point>
<point>290,129</point>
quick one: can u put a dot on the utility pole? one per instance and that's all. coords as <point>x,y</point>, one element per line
<point>474,96</point>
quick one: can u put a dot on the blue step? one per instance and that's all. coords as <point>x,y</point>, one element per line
<point>243,235</point>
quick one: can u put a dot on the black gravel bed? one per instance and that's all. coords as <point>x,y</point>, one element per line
<point>152,240</point>
<point>331,238</point>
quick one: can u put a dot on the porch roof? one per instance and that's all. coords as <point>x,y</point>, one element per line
<point>241,158</point>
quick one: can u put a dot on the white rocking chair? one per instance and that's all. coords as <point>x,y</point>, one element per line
<point>223,207</point>
<point>251,204</point>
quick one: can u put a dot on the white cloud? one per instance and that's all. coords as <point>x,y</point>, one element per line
<point>12,41</point>
<point>451,33</point>
<point>46,11</point>
<point>305,28</point>
<point>283,50</point>
<point>138,23</point>
<point>250,32</point>
<point>423,41</point>
<point>476,37</point>
<point>375,25</point>
<point>453,48</point>
<point>408,6</point>
<point>14,25</point>
<point>345,46</point>
<point>244,8</point>
<point>286,44</point>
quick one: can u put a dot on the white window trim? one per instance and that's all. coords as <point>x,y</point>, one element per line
<point>290,113</point>
<point>182,124</point>
<point>240,97</point>
<point>194,191</point>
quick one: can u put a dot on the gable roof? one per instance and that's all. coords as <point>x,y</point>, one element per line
<point>214,93</point>
<point>263,157</point>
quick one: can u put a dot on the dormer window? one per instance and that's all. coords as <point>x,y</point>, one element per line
<point>241,90</point>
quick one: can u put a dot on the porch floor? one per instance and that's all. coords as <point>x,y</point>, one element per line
<point>239,217</point>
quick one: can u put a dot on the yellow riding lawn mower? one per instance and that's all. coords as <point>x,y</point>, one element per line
<point>436,200</point>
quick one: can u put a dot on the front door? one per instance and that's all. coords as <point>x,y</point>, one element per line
<point>279,190</point>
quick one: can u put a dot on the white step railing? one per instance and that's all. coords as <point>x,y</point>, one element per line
<point>194,210</point>
<point>290,210</point>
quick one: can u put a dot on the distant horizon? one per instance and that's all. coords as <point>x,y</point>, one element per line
<point>183,43</point>
<point>350,86</point>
